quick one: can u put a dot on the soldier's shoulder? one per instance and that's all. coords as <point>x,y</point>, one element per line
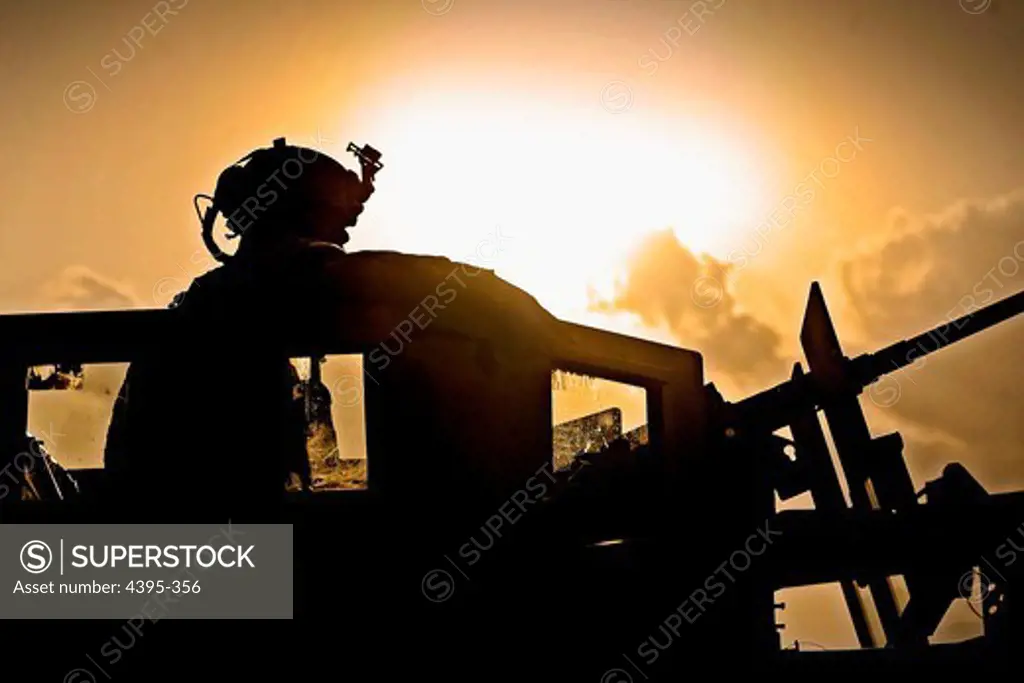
<point>216,290</point>
<point>397,266</point>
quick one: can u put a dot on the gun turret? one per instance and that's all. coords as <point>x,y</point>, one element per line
<point>876,474</point>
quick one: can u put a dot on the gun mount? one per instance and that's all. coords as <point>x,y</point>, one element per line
<point>462,417</point>
<point>876,474</point>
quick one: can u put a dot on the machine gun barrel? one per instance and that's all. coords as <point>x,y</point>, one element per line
<point>871,366</point>
<point>774,407</point>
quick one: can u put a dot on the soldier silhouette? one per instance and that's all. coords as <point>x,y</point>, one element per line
<point>207,422</point>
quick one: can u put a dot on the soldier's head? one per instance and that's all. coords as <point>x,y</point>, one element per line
<point>287,192</point>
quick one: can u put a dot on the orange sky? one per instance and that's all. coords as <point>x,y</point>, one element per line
<point>577,131</point>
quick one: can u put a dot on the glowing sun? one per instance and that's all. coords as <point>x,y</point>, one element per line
<point>572,189</point>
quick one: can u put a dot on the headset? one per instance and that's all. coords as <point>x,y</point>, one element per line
<point>236,183</point>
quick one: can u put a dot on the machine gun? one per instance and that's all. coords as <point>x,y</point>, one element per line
<point>886,530</point>
<point>875,471</point>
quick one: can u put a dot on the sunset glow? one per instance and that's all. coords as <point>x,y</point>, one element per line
<point>573,190</point>
<point>676,172</point>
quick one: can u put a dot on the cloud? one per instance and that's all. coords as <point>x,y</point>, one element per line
<point>667,286</point>
<point>80,288</point>
<point>972,253</point>
<point>930,270</point>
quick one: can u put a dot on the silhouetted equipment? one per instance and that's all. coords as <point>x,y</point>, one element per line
<point>459,415</point>
<point>369,156</point>
<point>321,436</point>
<point>770,408</point>
<point>369,160</point>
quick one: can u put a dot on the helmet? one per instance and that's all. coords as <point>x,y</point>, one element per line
<point>280,188</point>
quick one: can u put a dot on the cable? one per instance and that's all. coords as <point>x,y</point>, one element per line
<point>195,204</point>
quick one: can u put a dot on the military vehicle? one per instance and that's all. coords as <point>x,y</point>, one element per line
<point>645,558</point>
